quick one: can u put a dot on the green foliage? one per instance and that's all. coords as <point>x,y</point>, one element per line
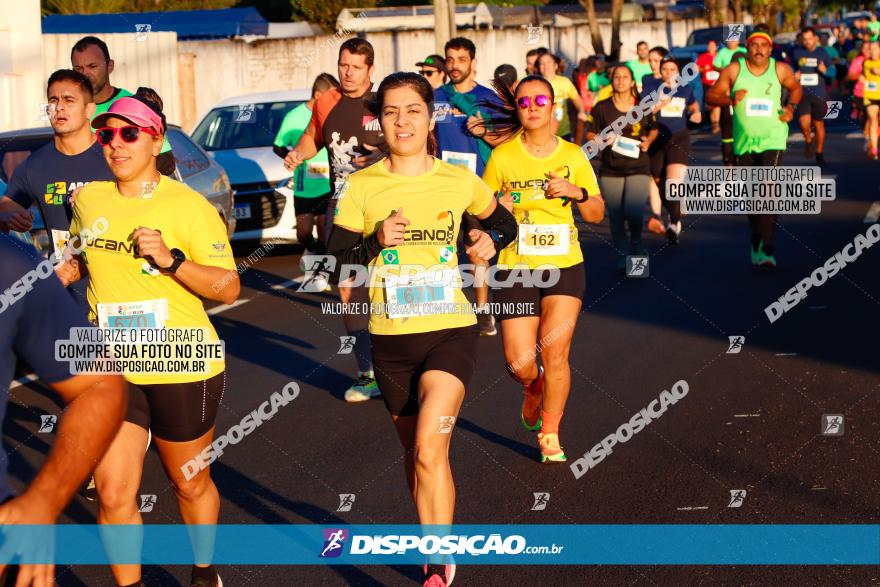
<point>103,6</point>
<point>324,12</point>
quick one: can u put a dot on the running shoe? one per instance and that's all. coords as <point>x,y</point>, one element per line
<point>532,395</point>
<point>486,322</point>
<point>766,260</point>
<point>364,388</point>
<point>438,575</point>
<point>655,226</point>
<point>550,449</point>
<point>672,232</point>
<point>638,249</point>
<point>756,254</point>
<point>872,153</point>
<point>200,582</point>
<point>809,149</point>
<point>820,159</point>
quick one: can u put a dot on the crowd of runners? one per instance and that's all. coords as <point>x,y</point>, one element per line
<point>446,174</point>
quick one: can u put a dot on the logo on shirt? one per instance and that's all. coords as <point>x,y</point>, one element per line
<point>370,123</point>
<point>446,254</point>
<point>57,192</point>
<point>219,246</point>
<point>390,257</point>
<point>433,236</point>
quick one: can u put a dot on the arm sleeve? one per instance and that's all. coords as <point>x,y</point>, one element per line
<point>491,174</point>
<point>208,244</point>
<point>17,191</point>
<point>37,329</point>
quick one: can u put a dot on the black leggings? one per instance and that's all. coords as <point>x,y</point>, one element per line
<point>762,226</point>
<point>727,135</point>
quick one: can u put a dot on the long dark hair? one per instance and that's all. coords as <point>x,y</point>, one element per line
<point>415,82</point>
<point>503,120</point>
<point>633,90</point>
<point>165,162</point>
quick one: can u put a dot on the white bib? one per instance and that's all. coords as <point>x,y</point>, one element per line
<point>627,147</point>
<point>419,294</point>
<point>468,160</point>
<point>673,109</point>
<point>543,239</point>
<point>145,314</point>
<point>59,241</point>
<point>713,75</point>
<point>759,107</point>
<point>809,79</point>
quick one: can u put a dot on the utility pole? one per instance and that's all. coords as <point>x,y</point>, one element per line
<point>444,23</point>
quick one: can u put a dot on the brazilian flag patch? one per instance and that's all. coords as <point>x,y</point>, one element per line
<point>389,256</point>
<point>446,254</point>
<point>517,196</point>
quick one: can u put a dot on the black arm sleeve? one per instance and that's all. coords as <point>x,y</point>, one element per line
<point>351,248</point>
<point>501,226</point>
<point>280,151</point>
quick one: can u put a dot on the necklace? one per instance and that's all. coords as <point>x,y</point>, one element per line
<point>537,149</point>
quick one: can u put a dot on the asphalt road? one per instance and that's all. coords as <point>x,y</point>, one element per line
<point>750,421</point>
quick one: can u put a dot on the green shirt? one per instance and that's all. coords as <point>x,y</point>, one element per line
<point>725,56</point>
<point>312,178</point>
<point>756,124</point>
<point>639,70</point>
<point>597,81</point>
<point>123,93</point>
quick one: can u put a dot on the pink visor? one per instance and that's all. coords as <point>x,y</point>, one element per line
<point>132,110</point>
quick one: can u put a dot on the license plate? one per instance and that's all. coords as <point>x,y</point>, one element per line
<point>241,211</point>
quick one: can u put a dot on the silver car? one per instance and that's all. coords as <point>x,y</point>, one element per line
<point>194,168</point>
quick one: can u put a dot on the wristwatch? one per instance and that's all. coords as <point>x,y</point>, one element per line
<point>179,257</point>
<point>584,196</point>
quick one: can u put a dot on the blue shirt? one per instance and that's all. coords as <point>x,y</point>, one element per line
<point>48,177</point>
<point>455,144</point>
<point>807,62</point>
<point>31,320</point>
<point>683,95</point>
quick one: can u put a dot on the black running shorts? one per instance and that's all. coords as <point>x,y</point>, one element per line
<point>399,360</point>
<point>178,412</point>
<point>668,150</point>
<point>314,206</point>
<point>517,301</point>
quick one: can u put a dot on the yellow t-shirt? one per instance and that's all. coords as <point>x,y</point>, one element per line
<point>547,233</point>
<point>563,89</point>
<point>116,276</point>
<point>872,80</point>
<point>434,203</point>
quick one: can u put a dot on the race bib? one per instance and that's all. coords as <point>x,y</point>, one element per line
<point>809,79</point>
<point>59,241</point>
<point>421,294</point>
<point>673,109</point>
<point>872,86</point>
<point>145,314</point>
<point>713,75</point>
<point>543,239</point>
<point>759,107</point>
<point>318,170</point>
<point>468,160</point>
<point>558,113</point>
<point>627,147</point>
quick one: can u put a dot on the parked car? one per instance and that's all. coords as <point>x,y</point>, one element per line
<point>238,133</point>
<point>194,168</point>
<point>697,40</point>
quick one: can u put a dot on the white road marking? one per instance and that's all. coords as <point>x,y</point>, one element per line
<point>786,354</point>
<point>689,508</point>
<point>286,284</point>
<point>224,307</point>
<point>747,415</point>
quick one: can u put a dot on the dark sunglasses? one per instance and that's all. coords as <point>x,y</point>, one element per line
<point>428,72</point>
<point>128,133</point>
<point>524,102</point>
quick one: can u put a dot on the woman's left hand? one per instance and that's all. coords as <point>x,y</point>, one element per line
<point>482,246</point>
<point>150,244</point>
<point>559,187</point>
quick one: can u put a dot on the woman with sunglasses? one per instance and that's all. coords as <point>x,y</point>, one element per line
<point>433,69</point>
<point>670,152</point>
<point>422,329</point>
<point>625,175</point>
<point>542,178</point>
<point>165,249</point>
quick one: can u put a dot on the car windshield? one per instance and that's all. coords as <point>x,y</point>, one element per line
<point>241,126</point>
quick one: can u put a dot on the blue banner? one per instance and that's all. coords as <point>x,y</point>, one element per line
<point>615,544</point>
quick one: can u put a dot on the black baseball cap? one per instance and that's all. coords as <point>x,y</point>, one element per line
<point>434,61</point>
<point>505,74</point>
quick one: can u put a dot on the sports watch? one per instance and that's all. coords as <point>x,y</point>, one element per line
<point>179,257</point>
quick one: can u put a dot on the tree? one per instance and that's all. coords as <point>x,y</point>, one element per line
<point>616,11</point>
<point>595,33</point>
<point>325,12</point>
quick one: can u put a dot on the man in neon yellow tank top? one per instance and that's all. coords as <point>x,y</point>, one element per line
<point>753,86</point>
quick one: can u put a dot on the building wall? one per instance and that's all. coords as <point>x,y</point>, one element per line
<point>22,90</point>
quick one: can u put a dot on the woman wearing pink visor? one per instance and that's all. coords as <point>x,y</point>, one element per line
<point>164,248</point>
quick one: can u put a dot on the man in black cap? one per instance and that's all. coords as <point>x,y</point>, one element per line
<point>433,68</point>
<point>506,74</point>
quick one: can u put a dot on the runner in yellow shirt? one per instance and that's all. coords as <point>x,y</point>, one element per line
<point>164,246</point>
<point>563,92</point>
<point>871,79</point>
<point>540,176</point>
<point>401,217</point>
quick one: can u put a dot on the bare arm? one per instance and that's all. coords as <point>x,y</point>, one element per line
<point>719,93</point>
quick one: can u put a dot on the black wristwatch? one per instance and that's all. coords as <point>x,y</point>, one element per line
<point>584,196</point>
<point>178,257</point>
